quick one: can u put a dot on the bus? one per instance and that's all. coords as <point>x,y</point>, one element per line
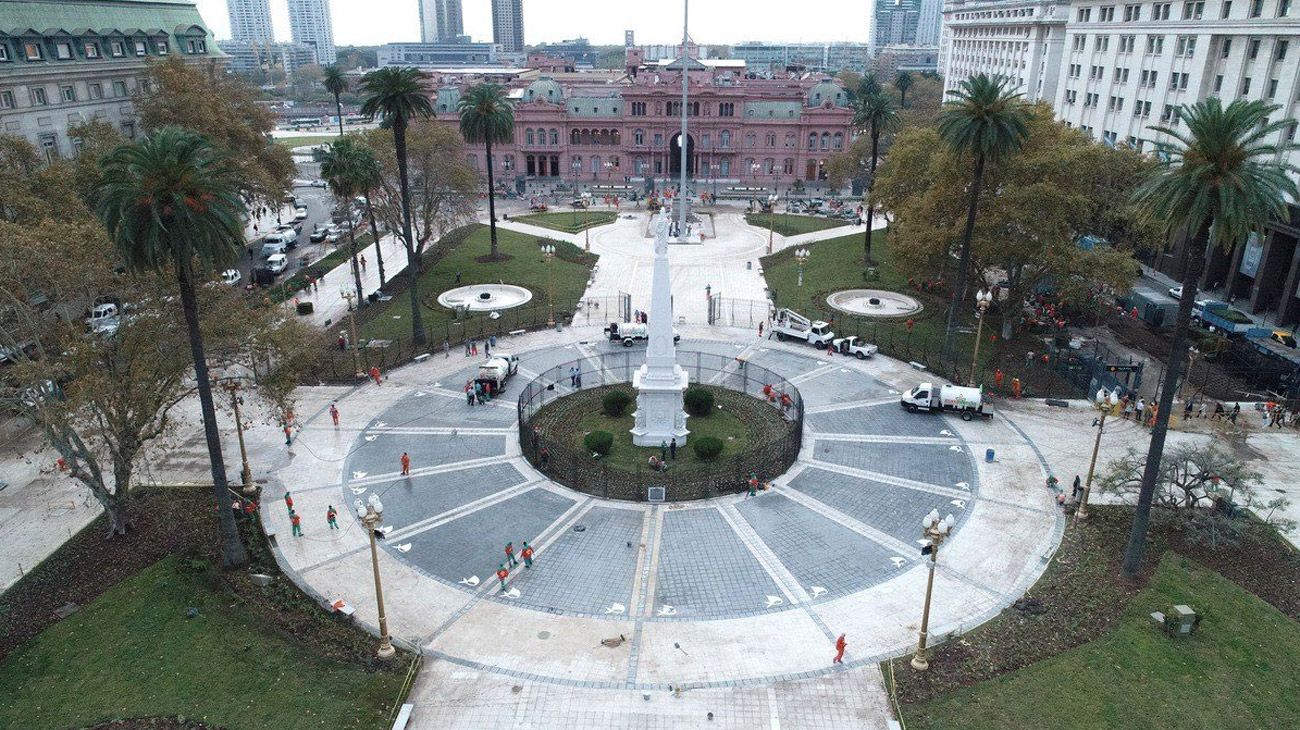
<point>305,123</point>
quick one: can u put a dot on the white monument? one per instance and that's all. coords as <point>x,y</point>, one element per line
<point>660,382</point>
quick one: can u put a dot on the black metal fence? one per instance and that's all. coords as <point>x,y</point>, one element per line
<point>758,390</point>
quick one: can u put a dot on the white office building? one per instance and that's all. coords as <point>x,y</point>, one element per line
<point>440,21</point>
<point>250,21</point>
<point>1021,40</point>
<point>310,24</point>
<point>1113,69</point>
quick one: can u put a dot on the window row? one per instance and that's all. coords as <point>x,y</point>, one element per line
<point>1191,10</point>
<point>67,93</point>
<point>45,50</point>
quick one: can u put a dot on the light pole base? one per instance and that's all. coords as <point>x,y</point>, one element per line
<point>919,663</point>
<point>1081,513</point>
<point>386,650</point>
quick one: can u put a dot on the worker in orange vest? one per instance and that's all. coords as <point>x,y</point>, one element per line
<point>295,519</point>
<point>1015,387</point>
<point>288,501</point>
<point>502,574</point>
<point>374,374</point>
<point>527,555</point>
<point>840,645</point>
<point>406,464</point>
<point>510,554</point>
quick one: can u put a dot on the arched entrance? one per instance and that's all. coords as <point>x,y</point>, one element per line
<point>675,155</point>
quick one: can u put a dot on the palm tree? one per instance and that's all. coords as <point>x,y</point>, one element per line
<point>869,84</point>
<point>172,202</point>
<point>486,116</point>
<point>342,168</point>
<point>988,122</point>
<point>1217,182</point>
<point>903,82</point>
<point>369,177</point>
<point>396,96</point>
<point>876,114</point>
<point>336,83</point>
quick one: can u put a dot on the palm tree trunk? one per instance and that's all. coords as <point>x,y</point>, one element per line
<point>1194,254</point>
<point>233,554</point>
<point>963,268</point>
<point>338,107</point>
<point>492,203</point>
<point>871,203</point>
<point>356,267</point>
<point>374,231</point>
<point>412,259</point>
<point>902,98</point>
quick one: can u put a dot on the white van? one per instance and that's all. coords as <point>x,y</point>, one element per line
<point>272,247</point>
<point>277,263</point>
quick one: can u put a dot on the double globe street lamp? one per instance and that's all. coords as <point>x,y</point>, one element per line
<point>801,255</point>
<point>936,531</point>
<point>983,300</point>
<point>548,253</point>
<point>371,515</point>
<point>1105,404</point>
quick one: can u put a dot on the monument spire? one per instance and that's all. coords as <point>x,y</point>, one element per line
<point>660,382</point>
<point>682,140</point>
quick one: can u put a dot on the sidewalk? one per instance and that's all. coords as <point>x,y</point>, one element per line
<point>330,304</point>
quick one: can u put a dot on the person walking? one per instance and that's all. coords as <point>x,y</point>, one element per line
<point>579,378</point>
<point>840,645</point>
<point>295,519</point>
<point>663,451</point>
<point>1200,409</point>
<point>510,555</point>
<point>288,502</point>
<point>288,434</point>
<point>502,574</point>
<point>1236,411</point>
<point>466,348</point>
<point>473,347</point>
<point>332,518</point>
<point>363,263</point>
<point>753,485</point>
<point>334,414</point>
<point>1126,408</point>
<point>1187,410</point>
<point>1076,492</point>
<point>527,555</point>
<point>760,330</point>
<point>1141,410</point>
<point>672,449</point>
<point>406,464</point>
<point>374,375</point>
<point>469,393</point>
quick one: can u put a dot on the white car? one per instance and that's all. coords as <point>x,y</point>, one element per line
<point>277,263</point>
<point>332,234</point>
<point>300,214</point>
<point>274,245</point>
<point>231,277</point>
<point>1176,292</point>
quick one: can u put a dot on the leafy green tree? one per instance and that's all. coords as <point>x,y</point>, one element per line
<point>986,122</point>
<point>869,84</point>
<point>397,97</point>
<point>172,202</point>
<point>486,116</point>
<point>335,83</point>
<point>344,165</point>
<point>903,82</point>
<point>1219,180</point>
<point>875,114</point>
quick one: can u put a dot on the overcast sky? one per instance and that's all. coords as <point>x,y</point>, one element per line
<point>371,22</point>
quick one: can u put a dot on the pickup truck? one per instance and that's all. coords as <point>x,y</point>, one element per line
<point>496,370</point>
<point>630,332</point>
<point>853,346</point>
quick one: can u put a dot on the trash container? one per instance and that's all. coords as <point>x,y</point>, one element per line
<point>988,456</point>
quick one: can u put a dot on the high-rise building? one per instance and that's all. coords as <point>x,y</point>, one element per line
<point>310,24</point>
<point>250,21</point>
<point>1020,39</point>
<point>508,25</point>
<point>767,58</point>
<point>895,22</point>
<point>929,23</point>
<point>440,21</point>
<point>629,39</point>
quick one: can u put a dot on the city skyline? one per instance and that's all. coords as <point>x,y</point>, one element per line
<point>375,22</point>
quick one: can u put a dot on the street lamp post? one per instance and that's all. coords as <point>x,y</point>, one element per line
<point>801,255</point>
<point>548,253</point>
<point>1104,403</point>
<point>246,473</point>
<point>982,301</point>
<point>352,325</point>
<point>372,515</point>
<point>936,530</point>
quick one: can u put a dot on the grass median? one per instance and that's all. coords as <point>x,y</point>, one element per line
<point>789,224</point>
<point>569,222</point>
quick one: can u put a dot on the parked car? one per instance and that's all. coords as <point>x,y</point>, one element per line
<point>272,247</point>
<point>300,214</point>
<point>277,263</point>
<point>104,318</point>
<point>231,277</point>
<point>318,234</point>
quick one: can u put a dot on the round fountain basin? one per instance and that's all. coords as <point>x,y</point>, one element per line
<point>485,297</point>
<point>874,303</point>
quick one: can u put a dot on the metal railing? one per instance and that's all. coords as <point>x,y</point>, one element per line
<point>756,392</point>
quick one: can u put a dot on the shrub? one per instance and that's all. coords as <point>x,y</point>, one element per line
<point>615,403</point>
<point>699,402</point>
<point>707,448</point>
<point>598,442</point>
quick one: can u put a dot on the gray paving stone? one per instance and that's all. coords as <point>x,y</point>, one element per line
<point>934,464</point>
<point>705,569</point>
<point>816,550</point>
<point>409,500</point>
<point>838,385</point>
<point>587,571</point>
<point>896,511</point>
<point>885,419</point>
<point>446,412</point>
<point>384,453</point>
<point>474,544</point>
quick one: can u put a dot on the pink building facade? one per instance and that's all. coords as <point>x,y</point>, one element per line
<point>741,131</point>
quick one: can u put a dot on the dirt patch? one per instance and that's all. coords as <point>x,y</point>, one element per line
<point>153,723</point>
<point>1083,593</point>
<point>490,259</point>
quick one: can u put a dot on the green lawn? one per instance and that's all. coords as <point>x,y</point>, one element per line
<point>525,267</point>
<point>1237,672</point>
<point>734,433</point>
<point>291,142</point>
<point>133,653</point>
<point>569,222</point>
<point>788,224</point>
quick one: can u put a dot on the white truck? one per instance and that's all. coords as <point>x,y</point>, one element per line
<point>788,323</point>
<point>630,332</point>
<point>968,402</point>
<point>853,346</point>
<point>496,370</point>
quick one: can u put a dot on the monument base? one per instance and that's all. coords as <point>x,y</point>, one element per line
<point>694,237</point>
<point>659,415</point>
